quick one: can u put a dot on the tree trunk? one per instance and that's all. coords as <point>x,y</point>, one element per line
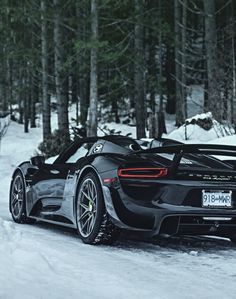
<point>8,85</point>
<point>32,105</point>
<point>4,83</point>
<point>139,70</point>
<point>161,114</point>
<point>114,109</point>
<point>26,114</point>
<point>82,64</point>
<point>180,105</point>
<point>214,103</point>
<point>92,115</point>
<point>183,60</point>
<point>21,109</point>
<point>26,104</point>
<point>152,70</point>
<point>20,97</point>
<point>45,97</point>
<point>62,103</point>
<point>170,81</point>
<point>233,70</point>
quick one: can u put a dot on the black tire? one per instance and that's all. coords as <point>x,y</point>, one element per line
<point>18,200</point>
<point>99,228</point>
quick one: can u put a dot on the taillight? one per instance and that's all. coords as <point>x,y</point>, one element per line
<point>142,173</point>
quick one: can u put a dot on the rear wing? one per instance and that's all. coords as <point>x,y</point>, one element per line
<point>210,149</point>
<point>180,150</point>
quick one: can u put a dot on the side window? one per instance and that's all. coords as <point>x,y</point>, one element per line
<point>79,153</point>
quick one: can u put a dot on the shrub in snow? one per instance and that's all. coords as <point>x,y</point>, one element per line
<point>53,145</point>
<point>205,122</point>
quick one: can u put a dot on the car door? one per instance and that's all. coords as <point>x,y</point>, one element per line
<point>53,185</point>
<point>48,186</point>
<point>76,161</point>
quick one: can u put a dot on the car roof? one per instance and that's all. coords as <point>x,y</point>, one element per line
<point>113,143</point>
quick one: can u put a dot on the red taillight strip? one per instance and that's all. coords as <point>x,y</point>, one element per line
<point>123,173</point>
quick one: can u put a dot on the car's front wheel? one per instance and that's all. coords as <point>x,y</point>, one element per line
<point>18,200</point>
<point>93,222</point>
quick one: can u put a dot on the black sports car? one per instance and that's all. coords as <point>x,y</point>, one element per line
<point>103,184</point>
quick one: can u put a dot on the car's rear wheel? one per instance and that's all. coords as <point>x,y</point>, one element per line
<point>93,222</point>
<point>18,200</point>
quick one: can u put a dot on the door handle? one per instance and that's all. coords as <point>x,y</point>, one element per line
<point>54,171</point>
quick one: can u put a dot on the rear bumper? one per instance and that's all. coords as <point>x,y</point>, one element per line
<point>197,224</point>
<point>220,226</point>
<point>152,218</point>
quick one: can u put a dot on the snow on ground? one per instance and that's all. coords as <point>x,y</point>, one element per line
<point>44,261</point>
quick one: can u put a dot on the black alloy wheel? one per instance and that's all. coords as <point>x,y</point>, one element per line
<point>18,200</point>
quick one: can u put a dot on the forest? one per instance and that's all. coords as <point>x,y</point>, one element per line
<point>126,61</point>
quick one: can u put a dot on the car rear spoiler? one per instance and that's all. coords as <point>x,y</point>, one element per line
<point>210,149</point>
<point>180,150</point>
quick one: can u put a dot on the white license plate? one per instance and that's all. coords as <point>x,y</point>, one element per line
<point>217,199</point>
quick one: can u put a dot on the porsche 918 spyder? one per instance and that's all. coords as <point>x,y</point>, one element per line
<point>102,185</point>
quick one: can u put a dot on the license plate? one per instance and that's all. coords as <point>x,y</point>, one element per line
<point>217,199</point>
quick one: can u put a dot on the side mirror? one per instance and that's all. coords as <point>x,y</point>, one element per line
<point>37,161</point>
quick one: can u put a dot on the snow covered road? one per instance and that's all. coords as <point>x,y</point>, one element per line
<point>45,261</point>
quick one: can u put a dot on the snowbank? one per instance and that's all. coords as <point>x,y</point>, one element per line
<point>200,128</point>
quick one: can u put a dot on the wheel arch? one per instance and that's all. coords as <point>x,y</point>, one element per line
<point>84,171</point>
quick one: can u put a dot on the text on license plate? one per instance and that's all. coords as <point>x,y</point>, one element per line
<point>217,199</point>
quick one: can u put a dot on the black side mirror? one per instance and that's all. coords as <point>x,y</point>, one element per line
<point>37,161</point>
